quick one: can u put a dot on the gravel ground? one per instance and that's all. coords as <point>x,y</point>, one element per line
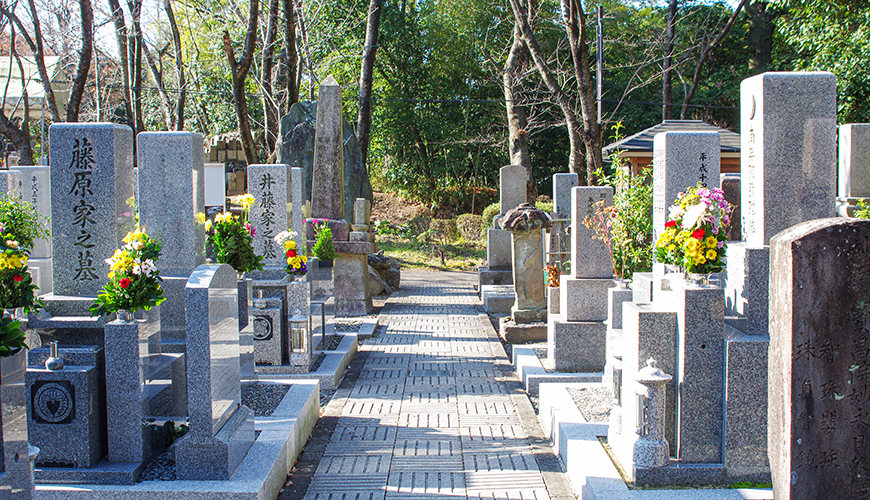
<point>347,325</point>
<point>593,402</point>
<point>318,362</point>
<point>160,468</point>
<point>333,343</point>
<point>264,398</point>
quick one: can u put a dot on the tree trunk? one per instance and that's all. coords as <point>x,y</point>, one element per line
<point>366,77</point>
<point>518,135</point>
<point>19,134</point>
<point>270,107</point>
<point>165,103</point>
<point>84,66</point>
<point>761,28</point>
<point>179,66</point>
<point>39,50</point>
<point>575,26</point>
<point>121,38</point>
<point>239,71</point>
<point>667,63</point>
<point>291,56</point>
<point>705,52</point>
<point>135,47</point>
<point>522,15</point>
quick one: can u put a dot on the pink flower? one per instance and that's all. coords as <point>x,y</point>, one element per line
<point>250,228</point>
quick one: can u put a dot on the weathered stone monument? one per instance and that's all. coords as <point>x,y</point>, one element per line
<point>350,271</point>
<point>297,150</point>
<point>526,225</point>
<point>819,382</point>
<point>221,428</point>
<point>560,244</point>
<point>854,167</point>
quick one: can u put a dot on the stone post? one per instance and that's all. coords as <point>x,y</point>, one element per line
<point>327,188</point>
<point>36,192</point>
<point>651,448</point>
<point>512,193</point>
<point>854,167</point>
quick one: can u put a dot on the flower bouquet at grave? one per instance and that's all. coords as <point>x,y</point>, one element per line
<point>20,225</point>
<point>696,231</point>
<point>323,248</point>
<point>232,239</point>
<point>295,262</point>
<point>134,282</point>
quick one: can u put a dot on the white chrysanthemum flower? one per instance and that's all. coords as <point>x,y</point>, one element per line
<point>693,215</point>
<point>675,212</point>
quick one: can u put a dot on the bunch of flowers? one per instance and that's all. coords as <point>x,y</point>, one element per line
<point>246,201</point>
<point>323,248</point>
<point>134,282</point>
<point>295,262</point>
<point>232,241</point>
<point>696,231</point>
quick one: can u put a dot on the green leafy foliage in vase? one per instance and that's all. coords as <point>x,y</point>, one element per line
<point>134,282</point>
<point>323,248</point>
<point>863,211</point>
<point>22,222</point>
<point>233,243</point>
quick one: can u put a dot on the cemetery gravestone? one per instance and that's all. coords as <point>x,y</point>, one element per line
<point>268,184</point>
<point>221,429</point>
<point>788,151</point>
<point>327,188</point>
<point>36,192</point>
<point>819,376</point>
<point>91,183</point>
<point>171,187</point>
<point>681,160</point>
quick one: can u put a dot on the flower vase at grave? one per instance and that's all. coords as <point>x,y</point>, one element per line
<point>124,316</point>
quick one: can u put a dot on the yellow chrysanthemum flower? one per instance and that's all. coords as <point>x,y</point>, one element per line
<point>711,241</point>
<point>200,218</point>
<point>711,254</point>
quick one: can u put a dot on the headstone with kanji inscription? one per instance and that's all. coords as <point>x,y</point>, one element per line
<point>681,160</point>
<point>91,202</point>
<point>269,214</point>
<point>819,361</point>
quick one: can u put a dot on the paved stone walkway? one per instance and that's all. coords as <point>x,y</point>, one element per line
<point>436,411</point>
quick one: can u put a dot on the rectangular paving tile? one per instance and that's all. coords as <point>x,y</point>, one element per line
<point>364,433</point>
<point>430,420</point>
<point>505,484</point>
<point>355,464</point>
<point>506,460</point>
<point>370,407</point>
<point>347,482</point>
<point>345,495</point>
<point>425,482</point>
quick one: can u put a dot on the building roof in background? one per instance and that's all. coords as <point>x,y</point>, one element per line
<point>643,140</point>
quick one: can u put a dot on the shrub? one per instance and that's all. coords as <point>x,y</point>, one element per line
<point>489,212</point>
<point>546,206</point>
<point>470,227</point>
<point>442,230</point>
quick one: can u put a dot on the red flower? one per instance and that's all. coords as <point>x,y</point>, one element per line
<point>291,253</point>
<point>698,234</point>
<point>18,277</point>
<point>671,223</point>
<point>124,282</point>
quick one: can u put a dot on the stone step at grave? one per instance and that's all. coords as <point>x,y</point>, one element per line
<point>498,299</point>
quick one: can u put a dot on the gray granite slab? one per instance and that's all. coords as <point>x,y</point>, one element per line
<point>91,185</point>
<point>511,187</point>
<point>854,165</point>
<point>562,185</point>
<point>590,256</point>
<point>327,188</point>
<point>788,151</point>
<point>171,193</point>
<point>269,215</point>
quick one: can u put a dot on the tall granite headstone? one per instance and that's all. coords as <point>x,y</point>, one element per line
<point>788,151</point>
<point>590,257</point>
<point>562,186</point>
<point>171,186</point>
<point>297,200</point>
<point>37,192</point>
<point>512,187</point>
<point>221,429</point>
<point>788,157</point>
<point>91,183</point>
<point>327,188</point>
<point>11,183</point>
<point>681,160</point>
<point>819,361</point>
<point>268,184</point>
